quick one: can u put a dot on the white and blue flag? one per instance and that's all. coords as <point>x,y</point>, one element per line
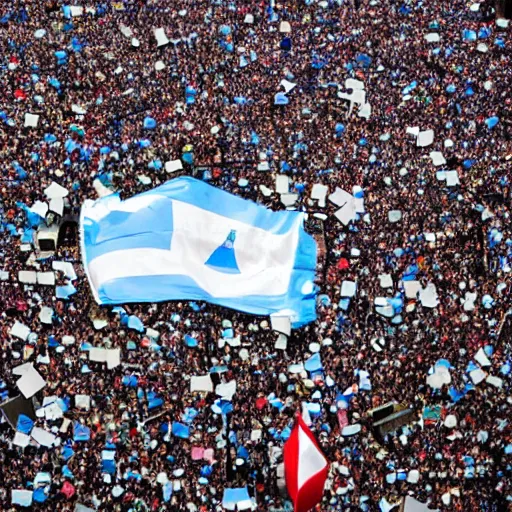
<point>187,240</point>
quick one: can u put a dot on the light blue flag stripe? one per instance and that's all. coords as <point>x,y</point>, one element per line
<point>187,240</point>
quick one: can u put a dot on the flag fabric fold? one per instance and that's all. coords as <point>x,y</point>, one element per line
<point>305,467</point>
<point>187,240</point>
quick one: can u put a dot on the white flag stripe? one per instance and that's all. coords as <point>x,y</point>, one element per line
<point>311,460</point>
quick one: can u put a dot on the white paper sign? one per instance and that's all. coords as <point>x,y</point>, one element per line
<point>226,391</point>
<point>352,83</point>
<point>319,192</point>
<point>66,268</point>
<point>57,206</point>
<point>21,497</point>
<point>284,27</point>
<point>477,376</point>
<point>411,289</point>
<point>173,166</point>
<point>340,197</point>
<point>437,158</point>
<point>425,138</point>
<point>30,383</point>
<point>161,37</point>
<point>348,288</point>
<point>45,315</point>
<point>365,111</point>
<point>43,437</point>
<point>201,383</point>
<point>83,402</point>
<point>394,216</point>
<point>281,342</point>
<point>288,86</point>
<point>347,213</point>
<point>76,10</point>
<point>433,37</point>
<point>289,199</point>
<point>27,277</point>
<point>113,358</point>
<point>386,281</point>
<point>281,324</point>
<point>282,184</point>
<point>494,381</point>
<point>452,178</point>
<point>97,354</point>
<point>31,120</point>
<point>21,439</point>
<point>22,369</point>
<point>46,278</point>
<point>481,358</point>
<point>19,330</point>
<point>428,296</point>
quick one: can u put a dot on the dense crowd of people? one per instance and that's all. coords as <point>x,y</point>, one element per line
<point>93,76</point>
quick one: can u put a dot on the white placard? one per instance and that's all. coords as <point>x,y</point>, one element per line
<point>281,324</point>
<point>31,120</point>
<point>76,10</point>
<point>411,288</point>
<point>55,191</point>
<point>30,383</point>
<point>226,391</point>
<point>348,288</point>
<point>340,197</point>
<point>97,354</point>
<point>481,358</point>
<point>27,277</point>
<point>21,439</point>
<point>40,208</point>
<point>83,402</point>
<point>477,376</point>
<point>452,178</point>
<point>285,27</point>
<point>386,281</point>
<point>19,330</point>
<point>425,138</point>
<point>21,497</point>
<point>288,86</point>
<point>281,342</point>
<point>347,213</point>
<point>201,383</point>
<point>319,192</point>
<point>282,184</point>
<point>46,278</point>
<point>45,315</point>
<point>161,37</point>
<point>428,296</point>
<point>66,268</point>
<point>22,369</point>
<point>289,199</point>
<point>433,37</point>
<point>173,166</point>
<point>113,358</point>
<point>494,381</point>
<point>43,437</point>
<point>437,158</point>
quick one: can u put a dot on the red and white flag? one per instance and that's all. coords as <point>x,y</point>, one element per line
<point>305,468</point>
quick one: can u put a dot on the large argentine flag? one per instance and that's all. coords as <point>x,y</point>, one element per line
<point>189,240</point>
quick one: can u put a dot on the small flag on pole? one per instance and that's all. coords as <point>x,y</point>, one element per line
<point>305,468</point>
